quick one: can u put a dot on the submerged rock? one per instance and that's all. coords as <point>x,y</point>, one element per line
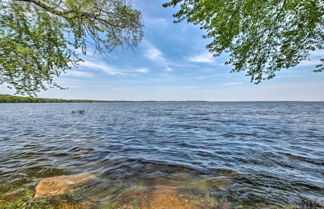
<point>127,207</point>
<point>89,204</point>
<point>62,184</point>
<point>223,205</point>
<point>166,197</point>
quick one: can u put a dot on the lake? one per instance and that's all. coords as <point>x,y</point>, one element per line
<point>248,154</point>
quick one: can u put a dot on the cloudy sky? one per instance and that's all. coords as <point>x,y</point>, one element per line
<point>172,63</point>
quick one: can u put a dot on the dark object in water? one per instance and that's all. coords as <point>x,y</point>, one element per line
<point>78,111</point>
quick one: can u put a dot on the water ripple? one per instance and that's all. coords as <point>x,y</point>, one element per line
<point>268,151</point>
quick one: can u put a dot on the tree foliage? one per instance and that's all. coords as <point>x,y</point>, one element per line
<point>39,38</point>
<point>260,36</point>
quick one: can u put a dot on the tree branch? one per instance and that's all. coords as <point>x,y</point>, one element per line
<point>65,14</point>
<point>47,8</point>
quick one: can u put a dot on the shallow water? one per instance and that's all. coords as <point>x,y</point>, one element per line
<point>240,152</point>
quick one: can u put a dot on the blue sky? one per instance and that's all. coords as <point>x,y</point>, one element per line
<point>172,63</point>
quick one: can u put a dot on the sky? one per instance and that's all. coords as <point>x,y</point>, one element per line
<point>172,63</point>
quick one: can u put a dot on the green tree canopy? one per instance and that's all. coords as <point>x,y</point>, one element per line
<point>260,36</point>
<point>38,38</point>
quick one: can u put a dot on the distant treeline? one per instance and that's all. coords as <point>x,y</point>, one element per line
<point>5,98</point>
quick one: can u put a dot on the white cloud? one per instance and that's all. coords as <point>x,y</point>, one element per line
<point>309,63</point>
<point>317,53</point>
<point>314,60</point>
<point>233,84</point>
<point>168,69</point>
<point>110,70</point>
<point>202,58</point>
<point>156,22</point>
<point>79,74</point>
<point>142,70</point>
<point>155,55</point>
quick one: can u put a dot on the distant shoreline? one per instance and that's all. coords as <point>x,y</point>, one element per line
<point>5,98</point>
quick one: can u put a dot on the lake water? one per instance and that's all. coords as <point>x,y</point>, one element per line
<point>244,153</point>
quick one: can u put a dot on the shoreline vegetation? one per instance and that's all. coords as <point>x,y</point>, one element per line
<point>6,98</point>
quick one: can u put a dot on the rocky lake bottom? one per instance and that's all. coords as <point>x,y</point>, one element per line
<point>162,155</point>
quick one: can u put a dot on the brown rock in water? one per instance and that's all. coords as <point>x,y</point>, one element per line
<point>89,204</point>
<point>62,184</point>
<point>167,198</point>
<point>223,205</point>
<point>126,207</point>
